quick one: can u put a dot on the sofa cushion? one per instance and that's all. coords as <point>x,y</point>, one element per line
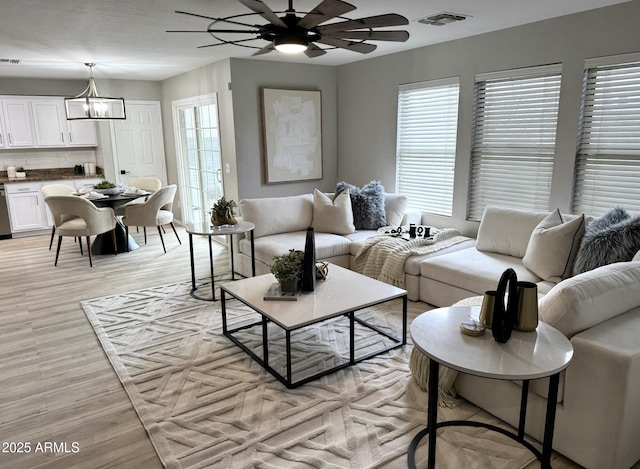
<point>613,237</point>
<point>327,245</point>
<point>368,204</point>
<point>592,297</point>
<point>506,230</point>
<point>636,257</point>
<point>273,215</point>
<point>395,206</point>
<point>553,246</point>
<point>473,270</point>
<point>332,216</point>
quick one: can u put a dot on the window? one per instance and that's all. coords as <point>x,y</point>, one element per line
<point>513,145</point>
<point>426,146</point>
<point>608,161</point>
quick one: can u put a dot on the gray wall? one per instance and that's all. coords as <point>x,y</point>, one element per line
<point>367,93</point>
<point>247,76</point>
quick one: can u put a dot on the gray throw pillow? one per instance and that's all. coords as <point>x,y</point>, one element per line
<point>367,204</point>
<point>613,237</point>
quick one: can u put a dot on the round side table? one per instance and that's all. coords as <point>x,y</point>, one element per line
<point>205,229</point>
<point>542,353</point>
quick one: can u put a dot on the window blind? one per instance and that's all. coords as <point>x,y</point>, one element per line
<point>426,144</point>
<point>514,139</point>
<point>608,160</point>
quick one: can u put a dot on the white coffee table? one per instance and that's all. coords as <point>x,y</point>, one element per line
<point>343,293</point>
<point>542,353</point>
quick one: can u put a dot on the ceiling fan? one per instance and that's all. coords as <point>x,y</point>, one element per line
<point>290,32</point>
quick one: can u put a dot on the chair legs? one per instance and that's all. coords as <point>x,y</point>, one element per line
<point>89,251</point>
<point>58,251</point>
<point>161,239</point>
<point>53,232</point>
<point>174,230</point>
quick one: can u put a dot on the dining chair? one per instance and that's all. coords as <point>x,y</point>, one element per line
<point>87,220</point>
<point>155,211</point>
<point>56,189</point>
<point>146,184</point>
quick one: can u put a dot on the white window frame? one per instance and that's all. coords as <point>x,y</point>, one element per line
<point>608,153</point>
<point>514,138</point>
<point>426,144</point>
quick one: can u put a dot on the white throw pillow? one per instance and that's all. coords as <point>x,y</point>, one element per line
<point>592,297</point>
<point>332,216</point>
<point>506,230</point>
<point>553,246</point>
<point>395,206</point>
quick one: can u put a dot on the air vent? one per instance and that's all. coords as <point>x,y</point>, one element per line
<point>443,18</point>
<point>11,61</point>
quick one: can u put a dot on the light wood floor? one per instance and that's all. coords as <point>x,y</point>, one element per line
<point>56,384</point>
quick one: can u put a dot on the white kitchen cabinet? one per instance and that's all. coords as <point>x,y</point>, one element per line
<point>49,122</point>
<point>27,210</point>
<point>3,133</point>
<point>17,122</point>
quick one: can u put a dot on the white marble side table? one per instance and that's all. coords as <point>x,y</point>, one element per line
<point>205,229</point>
<point>542,353</point>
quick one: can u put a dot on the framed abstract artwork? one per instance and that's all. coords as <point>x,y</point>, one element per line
<point>292,135</point>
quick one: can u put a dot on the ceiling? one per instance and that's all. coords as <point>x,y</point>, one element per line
<point>127,39</point>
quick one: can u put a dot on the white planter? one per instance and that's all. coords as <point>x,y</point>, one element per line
<point>21,174</point>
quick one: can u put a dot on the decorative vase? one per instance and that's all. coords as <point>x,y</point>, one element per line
<point>309,262</point>
<point>226,218</point>
<point>527,318</point>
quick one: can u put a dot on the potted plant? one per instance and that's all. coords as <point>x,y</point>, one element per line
<point>20,173</point>
<point>222,212</point>
<point>287,269</point>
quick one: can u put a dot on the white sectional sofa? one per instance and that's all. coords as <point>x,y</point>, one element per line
<point>281,224</point>
<point>598,411</point>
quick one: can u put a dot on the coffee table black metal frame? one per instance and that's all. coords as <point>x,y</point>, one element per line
<point>206,229</point>
<point>544,456</point>
<point>350,314</point>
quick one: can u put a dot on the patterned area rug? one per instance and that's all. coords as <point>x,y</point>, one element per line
<point>206,404</point>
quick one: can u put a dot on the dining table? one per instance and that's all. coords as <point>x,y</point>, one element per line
<point>102,244</point>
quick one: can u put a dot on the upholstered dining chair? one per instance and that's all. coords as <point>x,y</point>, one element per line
<point>87,220</point>
<point>155,211</point>
<point>56,189</point>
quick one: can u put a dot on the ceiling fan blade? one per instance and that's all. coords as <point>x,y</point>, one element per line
<point>377,21</point>
<point>252,31</point>
<point>215,20</point>
<point>265,50</point>
<point>264,11</point>
<point>361,47</point>
<point>397,36</point>
<point>230,42</point>
<point>325,11</point>
<point>314,51</point>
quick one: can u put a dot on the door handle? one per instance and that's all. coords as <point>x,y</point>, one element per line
<point>122,171</point>
<point>218,173</point>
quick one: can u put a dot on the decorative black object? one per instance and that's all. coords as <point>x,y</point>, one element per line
<point>412,230</point>
<point>504,317</point>
<point>309,262</point>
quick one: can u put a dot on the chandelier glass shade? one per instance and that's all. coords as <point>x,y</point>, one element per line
<point>90,105</point>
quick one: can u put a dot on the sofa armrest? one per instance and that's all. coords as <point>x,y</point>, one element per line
<point>601,391</point>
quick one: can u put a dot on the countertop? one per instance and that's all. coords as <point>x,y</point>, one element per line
<point>55,174</point>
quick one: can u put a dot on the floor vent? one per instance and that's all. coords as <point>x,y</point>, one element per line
<point>441,19</point>
<point>11,61</point>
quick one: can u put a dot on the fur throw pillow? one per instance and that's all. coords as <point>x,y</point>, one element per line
<point>613,237</point>
<point>367,204</point>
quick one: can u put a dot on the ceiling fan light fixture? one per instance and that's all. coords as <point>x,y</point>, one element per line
<point>90,105</point>
<point>291,43</point>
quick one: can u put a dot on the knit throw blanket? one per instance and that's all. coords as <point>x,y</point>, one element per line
<point>382,257</point>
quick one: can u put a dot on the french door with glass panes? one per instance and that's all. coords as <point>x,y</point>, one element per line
<point>198,154</point>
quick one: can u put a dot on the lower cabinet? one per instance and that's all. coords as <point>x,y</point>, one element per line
<point>27,208</point>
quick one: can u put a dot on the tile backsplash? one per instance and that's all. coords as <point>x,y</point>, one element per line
<point>45,159</point>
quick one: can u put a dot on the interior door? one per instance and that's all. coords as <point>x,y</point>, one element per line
<point>199,156</point>
<point>139,147</point>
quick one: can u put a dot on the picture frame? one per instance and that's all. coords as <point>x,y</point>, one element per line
<point>292,134</point>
